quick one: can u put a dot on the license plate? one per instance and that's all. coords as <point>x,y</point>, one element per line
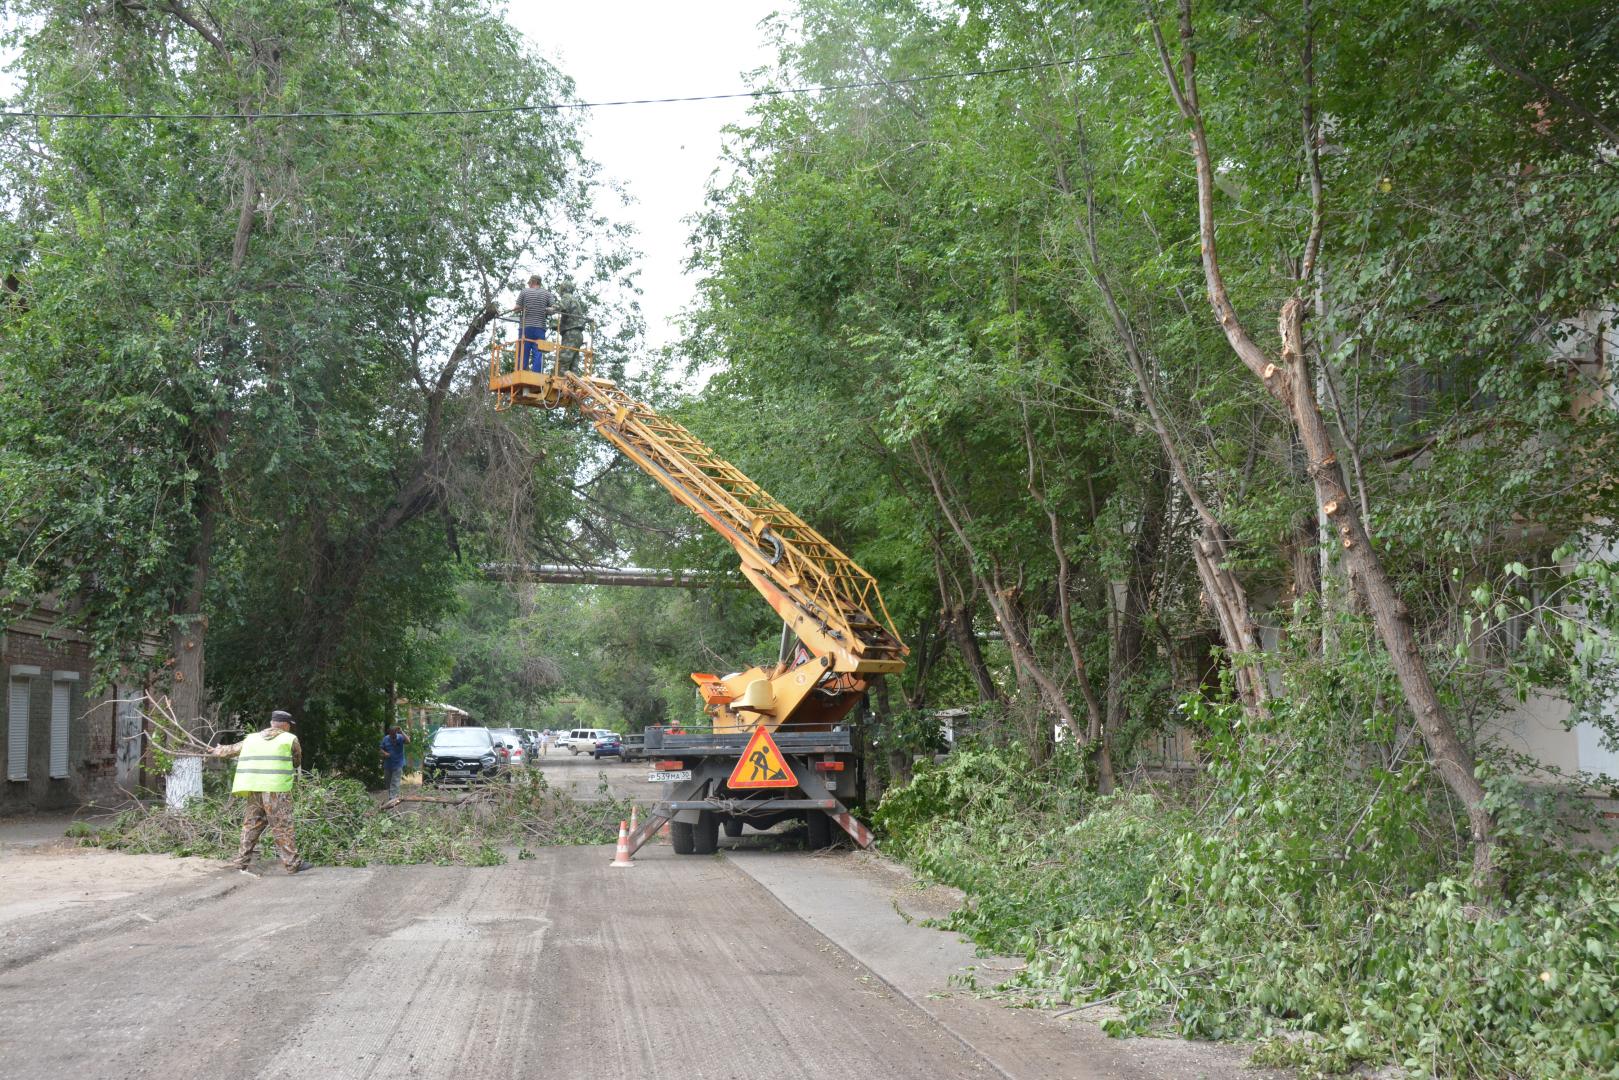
<point>457,772</point>
<point>668,777</point>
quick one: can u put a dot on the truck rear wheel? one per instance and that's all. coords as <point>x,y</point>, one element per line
<point>706,833</point>
<point>680,837</point>
<point>733,827</point>
<point>820,829</point>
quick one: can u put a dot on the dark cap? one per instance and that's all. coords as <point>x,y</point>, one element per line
<point>280,717</point>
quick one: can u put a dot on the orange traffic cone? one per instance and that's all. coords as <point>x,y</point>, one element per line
<point>621,857</point>
<point>633,825</point>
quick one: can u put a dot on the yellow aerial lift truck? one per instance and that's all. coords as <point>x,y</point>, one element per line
<point>780,745</point>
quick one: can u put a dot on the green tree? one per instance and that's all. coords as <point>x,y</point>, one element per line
<point>264,333</point>
<point>978,302</point>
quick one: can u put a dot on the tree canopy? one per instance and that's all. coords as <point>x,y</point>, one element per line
<point>240,356</point>
<point>975,308</point>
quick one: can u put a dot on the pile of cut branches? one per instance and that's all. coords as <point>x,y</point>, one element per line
<point>338,823</point>
<point>539,814</point>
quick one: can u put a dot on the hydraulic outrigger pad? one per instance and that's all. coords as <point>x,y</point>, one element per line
<point>664,812</point>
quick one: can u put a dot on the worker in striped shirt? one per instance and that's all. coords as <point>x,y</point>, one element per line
<point>534,307</point>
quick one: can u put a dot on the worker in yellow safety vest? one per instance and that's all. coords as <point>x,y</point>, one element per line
<point>266,763</point>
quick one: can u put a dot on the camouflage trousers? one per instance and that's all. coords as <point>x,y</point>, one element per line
<point>573,344</point>
<point>272,808</point>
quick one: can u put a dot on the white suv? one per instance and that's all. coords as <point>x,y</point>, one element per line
<point>584,740</point>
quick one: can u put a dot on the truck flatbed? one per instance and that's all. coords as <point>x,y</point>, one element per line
<point>823,763</point>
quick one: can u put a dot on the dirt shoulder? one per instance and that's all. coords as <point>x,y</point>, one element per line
<point>54,891</point>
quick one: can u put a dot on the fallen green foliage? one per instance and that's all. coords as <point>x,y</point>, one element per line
<point>1269,914</point>
<point>337,823</point>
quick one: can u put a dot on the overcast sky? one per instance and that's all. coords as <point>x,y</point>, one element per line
<point>662,154</point>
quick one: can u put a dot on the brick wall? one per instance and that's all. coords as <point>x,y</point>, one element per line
<point>47,665</point>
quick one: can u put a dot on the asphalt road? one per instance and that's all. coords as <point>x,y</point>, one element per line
<point>581,776</point>
<point>681,968</point>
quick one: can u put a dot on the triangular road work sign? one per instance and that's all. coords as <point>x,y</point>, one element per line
<point>762,765</point>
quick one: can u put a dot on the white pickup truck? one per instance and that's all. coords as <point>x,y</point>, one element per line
<point>583,740</point>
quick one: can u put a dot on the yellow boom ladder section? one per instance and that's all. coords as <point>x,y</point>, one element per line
<point>826,599</point>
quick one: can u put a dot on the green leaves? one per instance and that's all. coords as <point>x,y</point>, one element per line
<point>195,397</point>
<point>1285,896</point>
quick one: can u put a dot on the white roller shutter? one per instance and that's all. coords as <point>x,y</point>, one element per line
<point>61,710</point>
<point>17,730</point>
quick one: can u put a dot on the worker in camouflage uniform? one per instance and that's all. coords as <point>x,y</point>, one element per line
<point>571,325</point>
<point>266,763</point>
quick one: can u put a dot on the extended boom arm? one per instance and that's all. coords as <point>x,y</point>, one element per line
<point>827,601</point>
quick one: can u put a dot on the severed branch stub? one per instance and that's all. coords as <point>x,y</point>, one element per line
<point>167,733</point>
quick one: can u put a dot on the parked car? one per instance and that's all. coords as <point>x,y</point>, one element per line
<point>509,746</point>
<point>609,746</point>
<point>461,755</point>
<point>584,740</point>
<point>531,749</point>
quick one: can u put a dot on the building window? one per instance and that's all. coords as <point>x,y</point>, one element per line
<point>17,728</point>
<point>1500,638</point>
<point>61,720</point>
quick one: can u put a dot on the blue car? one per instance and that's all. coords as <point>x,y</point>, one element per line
<point>611,746</point>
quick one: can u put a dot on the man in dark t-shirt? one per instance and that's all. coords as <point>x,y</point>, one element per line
<point>534,307</point>
<point>393,758</point>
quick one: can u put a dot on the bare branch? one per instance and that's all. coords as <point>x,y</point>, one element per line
<point>180,12</point>
<point>1184,92</point>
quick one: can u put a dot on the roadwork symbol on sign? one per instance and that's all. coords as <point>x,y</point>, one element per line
<point>762,765</point>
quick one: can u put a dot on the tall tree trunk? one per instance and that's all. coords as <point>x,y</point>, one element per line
<point>928,644</point>
<point>1003,605</point>
<point>1291,383</point>
<point>972,657</point>
<point>1130,607</point>
<point>188,634</point>
<point>958,621</point>
<point>999,596</point>
<point>188,627</point>
<point>900,769</point>
<point>869,778</point>
<point>1210,551</point>
<point>1393,620</point>
<point>1095,727</point>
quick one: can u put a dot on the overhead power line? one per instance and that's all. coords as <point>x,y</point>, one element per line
<point>556,106</point>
